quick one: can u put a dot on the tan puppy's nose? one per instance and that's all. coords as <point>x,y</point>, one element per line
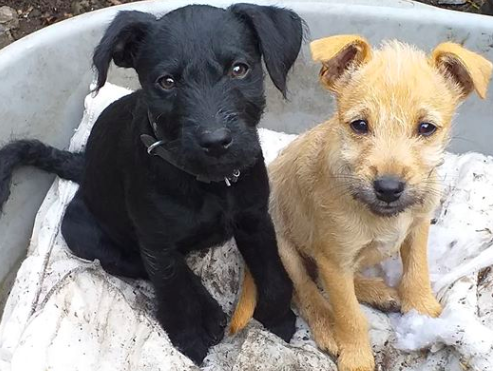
<point>388,188</point>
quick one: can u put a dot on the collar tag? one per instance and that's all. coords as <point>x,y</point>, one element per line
<point>233,178</point>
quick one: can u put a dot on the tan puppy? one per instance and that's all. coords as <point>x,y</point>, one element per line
<point>363,185</point>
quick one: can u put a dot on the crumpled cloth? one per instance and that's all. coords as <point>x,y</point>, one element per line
<point>65,313</point>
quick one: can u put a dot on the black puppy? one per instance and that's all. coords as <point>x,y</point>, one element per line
<point>177,166</point>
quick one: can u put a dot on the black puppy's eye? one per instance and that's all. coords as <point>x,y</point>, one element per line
<point>360,126</point>
<point>426,129</point>
<point>166,82</point>
<point>238,70</point>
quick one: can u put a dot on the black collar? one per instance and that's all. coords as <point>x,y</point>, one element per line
<point>163,149</point>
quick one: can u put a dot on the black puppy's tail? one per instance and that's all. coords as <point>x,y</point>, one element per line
<point>65,164</point>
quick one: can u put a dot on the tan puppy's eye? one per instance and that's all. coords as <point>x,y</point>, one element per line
<point>238,70</point>
<point>166,82</point>
<point>426,129</point>
<point>360,127</point>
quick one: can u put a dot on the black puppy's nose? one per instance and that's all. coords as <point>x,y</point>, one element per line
<point>388,188</point>
<point>217,142</point>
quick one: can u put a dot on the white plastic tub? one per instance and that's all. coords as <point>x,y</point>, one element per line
<point>44,77</point>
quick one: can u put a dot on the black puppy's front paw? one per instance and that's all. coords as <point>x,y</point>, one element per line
<point>214,321</point>
<point>194,326</point>
<point>192,344</point>
<point>284,327</point>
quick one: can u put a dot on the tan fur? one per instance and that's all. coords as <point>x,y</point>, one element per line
<point>313,181</point>
<point>248,300</point>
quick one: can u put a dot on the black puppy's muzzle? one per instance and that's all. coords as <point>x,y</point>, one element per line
<point>217,142</point>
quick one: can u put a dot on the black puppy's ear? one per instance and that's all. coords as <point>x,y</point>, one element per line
<point>280,34</point>
<point>121,42</point>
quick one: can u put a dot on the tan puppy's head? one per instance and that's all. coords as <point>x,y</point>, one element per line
<point>394,111</point>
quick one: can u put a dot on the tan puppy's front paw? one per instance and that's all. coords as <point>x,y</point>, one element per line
<point>323,336</point>
<point>388,303</point>
<point>427,305</point>
<point>375,293</point>
<point>356,359</point>
<point>326,342</point>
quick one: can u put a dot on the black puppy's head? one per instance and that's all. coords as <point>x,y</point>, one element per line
<point>201,72</point>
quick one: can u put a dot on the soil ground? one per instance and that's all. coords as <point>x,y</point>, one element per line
<point>19,18</point>
<point>36,14</point>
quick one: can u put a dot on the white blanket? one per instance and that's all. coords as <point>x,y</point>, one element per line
<point>67,314</point>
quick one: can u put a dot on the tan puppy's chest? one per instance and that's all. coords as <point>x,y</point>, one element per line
<point>368,243</point>
<point>381,248</point>
<point>389,246</point>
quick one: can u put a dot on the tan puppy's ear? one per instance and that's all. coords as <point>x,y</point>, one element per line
<point>338,54</point>
<point>467,69</point>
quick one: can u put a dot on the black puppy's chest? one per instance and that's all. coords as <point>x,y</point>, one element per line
<point>209,224</point>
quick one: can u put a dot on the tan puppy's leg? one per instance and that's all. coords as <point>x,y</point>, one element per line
<point>313,307</point>
<point>350,325</point>
<point>376,293</point>
<point>415,288</point>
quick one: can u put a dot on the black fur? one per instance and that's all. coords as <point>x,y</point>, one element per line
<point>138,214</point>
<point>34,153</point>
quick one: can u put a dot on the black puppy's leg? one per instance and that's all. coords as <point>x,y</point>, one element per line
<point>192,318</point>
<point>256,241</point>
<point>87,240</point>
